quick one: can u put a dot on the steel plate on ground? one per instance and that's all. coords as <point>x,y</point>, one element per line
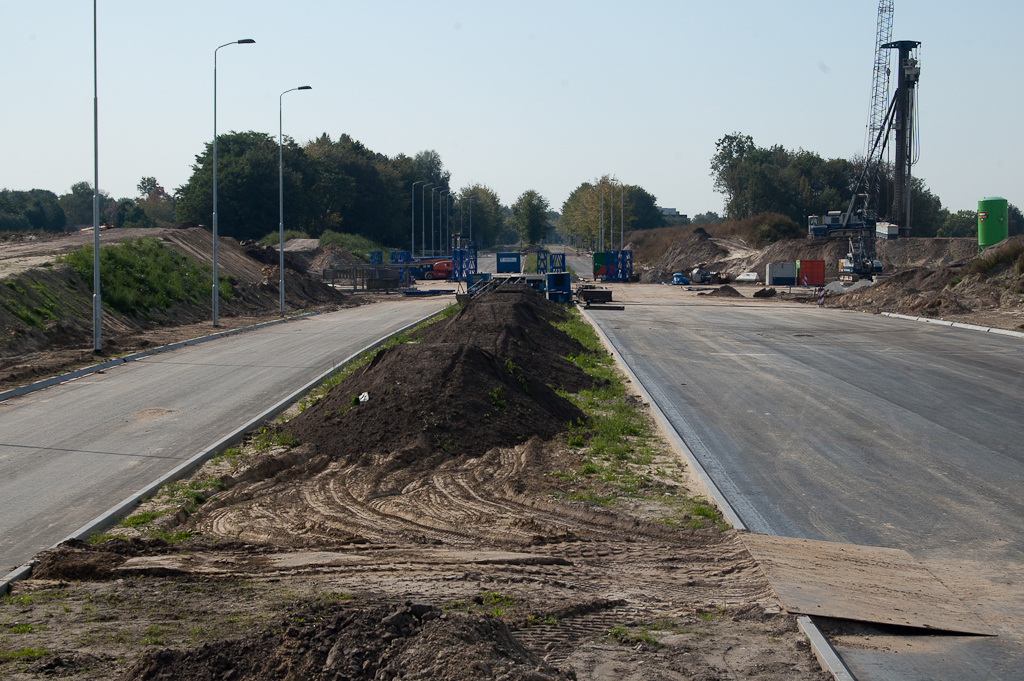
<point>864,583</point>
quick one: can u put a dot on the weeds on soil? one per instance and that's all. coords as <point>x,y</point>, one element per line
<point>616,440</point>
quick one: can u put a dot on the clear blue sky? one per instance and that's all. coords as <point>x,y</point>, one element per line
<point>516,95</point>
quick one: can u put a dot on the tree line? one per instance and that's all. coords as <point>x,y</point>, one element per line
<point>795,184</point>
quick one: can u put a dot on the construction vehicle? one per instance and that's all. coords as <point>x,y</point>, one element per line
<point>860,262</point>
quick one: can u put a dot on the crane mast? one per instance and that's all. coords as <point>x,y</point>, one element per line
<point>880,77</point>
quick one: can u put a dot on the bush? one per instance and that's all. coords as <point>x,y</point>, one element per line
<point>144,275</point>
<point>358,246</point>
<point>274,238</point>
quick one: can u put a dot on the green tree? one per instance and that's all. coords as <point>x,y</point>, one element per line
<point>38,207</point>
<point>961,223</point>
<point>530,214</point>
<point>705,218</point>
<point>1016,220</point>
<point>489,216</point>
<point>247,186</point>
<point>77,204</point>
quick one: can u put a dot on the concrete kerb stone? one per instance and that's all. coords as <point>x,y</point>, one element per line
<point>956,325</point>
<point>823,650</point>
<point>124,508</point>
<point>827,656</point>
<point>78,373</point>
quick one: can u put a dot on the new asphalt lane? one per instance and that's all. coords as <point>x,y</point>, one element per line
<point>849,427</point>
<point>71,451</point>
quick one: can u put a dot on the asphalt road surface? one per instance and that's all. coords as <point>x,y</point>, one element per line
<point>849,427</point>
<point>69,452</point>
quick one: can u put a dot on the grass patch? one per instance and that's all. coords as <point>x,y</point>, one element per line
<point>141,275</point>
<point>274,238</point>
<point>1011,253</point>
<point>616,440</point>
<point>633,636</point>
<point>22,655</point>
<point>140,519</point>
<point>358,246</point>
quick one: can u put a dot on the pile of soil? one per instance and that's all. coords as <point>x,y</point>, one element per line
<point>331,256</point>
<point>949,291</point>
<point>692,250</point>
<point>414,640</point>
<point>725,291</point>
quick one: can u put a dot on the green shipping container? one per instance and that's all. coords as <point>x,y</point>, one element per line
<point>993,221</point>
<point>600,260</point>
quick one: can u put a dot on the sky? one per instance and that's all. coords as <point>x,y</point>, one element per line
<point>515,95</point>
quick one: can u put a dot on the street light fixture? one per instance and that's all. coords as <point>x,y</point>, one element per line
<point>412,218</point>
<point>423,217</point>
<point>216,283</point>
<point>280,176</point>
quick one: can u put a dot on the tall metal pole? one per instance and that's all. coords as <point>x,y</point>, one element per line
<point>423,217</point>
<point>216,283</point>
<point>448,223</point>
<point>97,307</point>
<point>440,221</point>
<point>412,218</point>
<point>600,231</point>
<point>280,176</point>
<point>622,216</point>
<point>432,190</point>
<point>471,199</point>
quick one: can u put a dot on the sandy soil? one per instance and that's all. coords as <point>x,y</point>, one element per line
<point>443,529</point>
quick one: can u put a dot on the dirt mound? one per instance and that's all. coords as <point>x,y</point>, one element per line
<point>415,640</point>
<point>725,291</point>
<point>480,380</point>
<point>987,289</point>
<point>332,255</point>
<point>268,255</point>
<point>695,248</point>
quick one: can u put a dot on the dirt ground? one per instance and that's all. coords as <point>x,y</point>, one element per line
<point>445,527</point>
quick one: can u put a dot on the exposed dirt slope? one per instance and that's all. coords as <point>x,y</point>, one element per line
<point>958,291</point>
<point>734,257</point>
<point>46,312</point>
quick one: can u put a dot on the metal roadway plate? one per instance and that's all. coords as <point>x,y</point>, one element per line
<point>865,583</point>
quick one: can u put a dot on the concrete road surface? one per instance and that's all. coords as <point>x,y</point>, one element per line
<point>69,452</point>
<point>850,427</point>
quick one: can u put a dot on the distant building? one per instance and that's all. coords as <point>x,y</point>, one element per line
<point>671,213</point>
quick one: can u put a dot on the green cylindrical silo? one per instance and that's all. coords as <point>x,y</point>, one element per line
<point>993,221</point>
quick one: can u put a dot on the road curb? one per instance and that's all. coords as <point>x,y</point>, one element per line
<point>823,650</point>
<point>124,508</point>
<point>955,325</point>
<point>85,371</point>
<point>708,486</point>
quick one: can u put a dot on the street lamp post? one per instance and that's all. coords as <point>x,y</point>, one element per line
<point>97,306</point>
<point>470,199</point>
<point>423,217</point>
<point>622,216</point>
<point>280,176</point>
<point>440,221</point>
<point>216,285</point>
<point>448,223</point>
<point>412,218</point>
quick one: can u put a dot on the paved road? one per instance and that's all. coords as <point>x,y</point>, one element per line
<point>850,427</point>
<point>70,452</point>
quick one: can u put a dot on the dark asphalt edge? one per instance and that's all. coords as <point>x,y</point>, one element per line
<point>123,509</point>
<point>85,371</point>
<point>956,325</point>
<point>826,655</point>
